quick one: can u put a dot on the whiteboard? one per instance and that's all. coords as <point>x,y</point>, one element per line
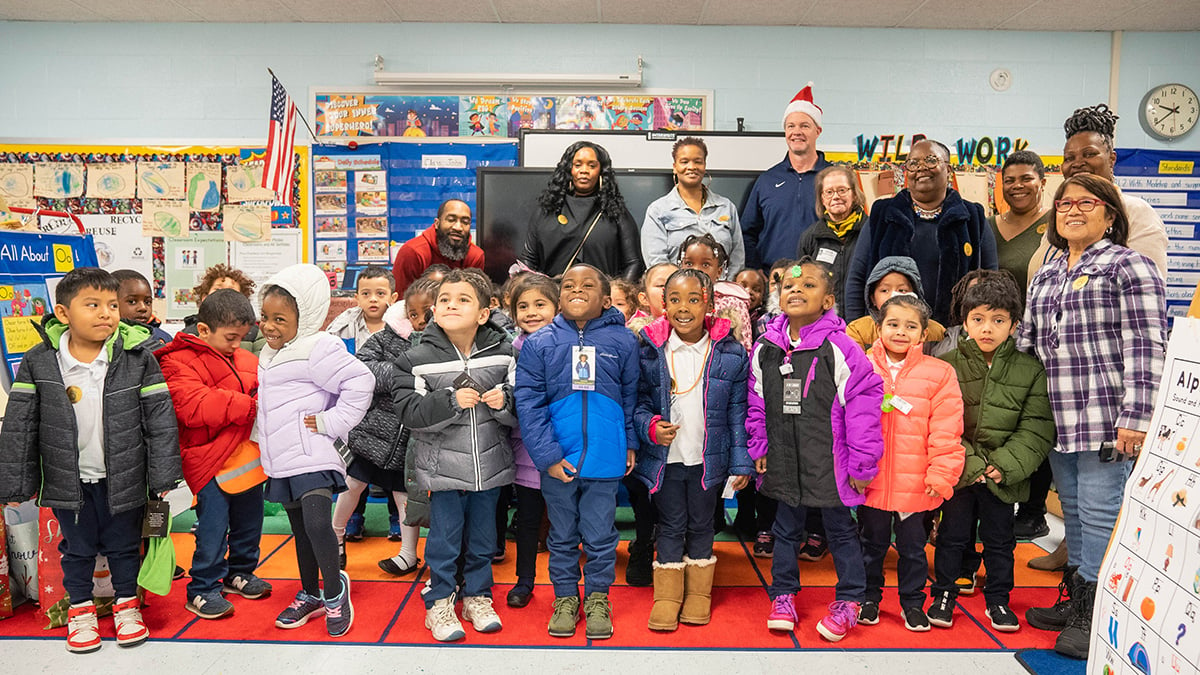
<point>727,150</point>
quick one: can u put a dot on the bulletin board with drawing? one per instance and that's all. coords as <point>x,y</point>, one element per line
<point>147,205</point>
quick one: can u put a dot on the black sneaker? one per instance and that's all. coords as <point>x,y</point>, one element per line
<point>941,612</point>
<point>814,549</point>
<point>868,613</point>
<point>1002,618</point>
<point>639,571</point>
<point>1030,528</point>
<point>915,619</point>
<point>966,584</point>
<point>764,545</point>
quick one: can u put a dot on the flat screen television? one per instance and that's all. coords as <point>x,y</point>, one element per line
<point>506,197</point>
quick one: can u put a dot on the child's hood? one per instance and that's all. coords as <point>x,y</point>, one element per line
<point>132,335</point>
<point>893,263</point>
<point>659,331</point>
<point>811,336</point>
<point>396,318</point>
<point>309,285</point>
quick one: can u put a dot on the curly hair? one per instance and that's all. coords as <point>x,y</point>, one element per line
<point>223,271</point>
<point>611,202</point>
<point>1097,118</point>
<point>708,240</point>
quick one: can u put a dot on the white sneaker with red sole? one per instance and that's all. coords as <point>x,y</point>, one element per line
<point>131,629</point>
<point>83,631</point>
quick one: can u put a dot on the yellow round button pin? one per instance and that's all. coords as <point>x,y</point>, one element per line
<point>74,394</point>
<point>562,219</point>
<point>1041,229</point>
<point>967,248</point>
<point>1080,282</point>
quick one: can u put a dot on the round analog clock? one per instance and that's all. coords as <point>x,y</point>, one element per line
<point>1169,111</point>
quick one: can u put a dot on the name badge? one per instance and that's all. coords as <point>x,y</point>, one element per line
<point>785,369</point>
<point>827,256</point>
<point>900,404</point>
<point>583,368</point>
<point>793,396</point>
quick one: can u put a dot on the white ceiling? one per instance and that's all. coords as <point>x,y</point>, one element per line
<point>1057,15</point>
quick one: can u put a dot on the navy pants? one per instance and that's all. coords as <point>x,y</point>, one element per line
<point>225,522</point>
<point>841,535</point>
<point>685,514</point>
<point>92,531</point>
<point>531,507</point>
<point>955,535</point>
<point>454,514</point>
<point>912,568</point>
<point>583,510</point>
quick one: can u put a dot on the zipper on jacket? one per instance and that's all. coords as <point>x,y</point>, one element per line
<point>584,409</point>
<point>475,453</point>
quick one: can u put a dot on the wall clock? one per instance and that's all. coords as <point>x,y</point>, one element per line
<point>1169,111</point>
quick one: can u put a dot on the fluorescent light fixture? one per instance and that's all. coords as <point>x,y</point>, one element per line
<point>508,80</point>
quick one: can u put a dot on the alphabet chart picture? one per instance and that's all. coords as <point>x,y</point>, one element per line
<point>1149,587</point>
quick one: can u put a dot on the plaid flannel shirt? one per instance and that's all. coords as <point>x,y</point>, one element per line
<point>1099,328</point>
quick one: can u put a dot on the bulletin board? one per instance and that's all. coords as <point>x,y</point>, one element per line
<point>168,211</point>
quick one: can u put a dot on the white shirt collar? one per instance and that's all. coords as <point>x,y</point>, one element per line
<point>69,362</point>
<point>674,343</point>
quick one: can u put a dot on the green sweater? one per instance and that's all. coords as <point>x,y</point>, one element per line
<point>1007,421</point>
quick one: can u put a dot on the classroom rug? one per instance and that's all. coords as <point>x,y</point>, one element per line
<point>1049,662</point>
<point>389,610</point>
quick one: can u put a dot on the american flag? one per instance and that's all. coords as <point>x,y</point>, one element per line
<point>281,158</point>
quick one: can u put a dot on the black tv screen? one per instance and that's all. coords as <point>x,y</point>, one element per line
<point>507,196</point>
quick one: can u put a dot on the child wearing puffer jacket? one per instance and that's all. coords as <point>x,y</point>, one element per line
<point>922,459</point>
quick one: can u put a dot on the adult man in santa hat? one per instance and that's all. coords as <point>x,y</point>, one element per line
<point>783,201</point>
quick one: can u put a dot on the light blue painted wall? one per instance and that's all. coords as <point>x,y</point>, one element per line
<point>207,81</point>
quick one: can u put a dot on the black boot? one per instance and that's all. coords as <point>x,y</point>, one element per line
<point>1076,637</point>
<point>641,558</point>
<point>1058,615</point>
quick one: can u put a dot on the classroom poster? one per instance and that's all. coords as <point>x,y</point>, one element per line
<point>530,112</point>
<point>629,113</point>
<point>161,180</point>
<point>1144,619</point>
<point>261,259</point>
<point>165,218</point>
<point>185,261</point>
<point>678,113</point>
<point>57,180</point>
<point>203,186</point>
<point>581,112</point>
<point>120,243</point>
<point>112,180</point>
<point>245,222</point>
<point>483,116</point>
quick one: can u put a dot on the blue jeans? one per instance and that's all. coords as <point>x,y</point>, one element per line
<point>685,514</point>
<point>582,510</point>
<point>453,515</point>
<point>94,530</point>
<point>1090,492</point>
<point>225,523</point>
<point>841,534</point>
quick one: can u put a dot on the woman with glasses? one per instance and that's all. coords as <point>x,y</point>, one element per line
<point>690,208</point>
<point>1096,318</point>
<point>929,222</point>
<point>841,207</point>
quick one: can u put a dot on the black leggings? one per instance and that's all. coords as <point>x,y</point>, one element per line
<point>316,545</point>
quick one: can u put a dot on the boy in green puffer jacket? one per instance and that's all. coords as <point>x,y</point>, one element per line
<point>1008,430</point>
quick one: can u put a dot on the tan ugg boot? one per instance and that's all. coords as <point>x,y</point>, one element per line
<point>697,591</point>
<point>1052,562</point>
<point>668,595</point>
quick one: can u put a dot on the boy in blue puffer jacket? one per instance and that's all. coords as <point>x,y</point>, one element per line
<point>579,432</point>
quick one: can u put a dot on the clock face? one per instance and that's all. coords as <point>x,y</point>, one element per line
<point>1169,111</point>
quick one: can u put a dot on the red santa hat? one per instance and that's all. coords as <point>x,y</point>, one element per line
<point>803,102</point>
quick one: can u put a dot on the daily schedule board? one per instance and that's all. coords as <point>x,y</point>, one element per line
<point>1148,594</point>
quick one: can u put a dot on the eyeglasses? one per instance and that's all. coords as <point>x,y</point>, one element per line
<point>1085,205</point>
<point>929,162</point>
<point>841,192</point>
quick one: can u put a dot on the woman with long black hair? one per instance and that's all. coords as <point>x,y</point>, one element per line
<point>581,218</point>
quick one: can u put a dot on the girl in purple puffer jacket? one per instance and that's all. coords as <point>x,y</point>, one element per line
<point>534,302</point>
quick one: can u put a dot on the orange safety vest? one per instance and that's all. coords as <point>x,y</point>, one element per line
<point>242,471</point>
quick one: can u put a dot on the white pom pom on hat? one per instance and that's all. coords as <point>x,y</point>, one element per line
<point>803,102</point>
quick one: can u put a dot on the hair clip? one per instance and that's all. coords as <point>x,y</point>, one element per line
<point>796,271</point>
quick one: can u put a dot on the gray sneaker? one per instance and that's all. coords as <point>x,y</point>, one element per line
<point>339,611</point>
<point>598,611</point>
<point>565,616</point>
<point>303,608</point>
<point>209,606</point>
<point>248,586</point>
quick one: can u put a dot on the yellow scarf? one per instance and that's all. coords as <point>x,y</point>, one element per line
<point>842,227</point>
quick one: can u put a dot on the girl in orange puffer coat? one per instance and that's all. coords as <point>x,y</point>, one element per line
<point>922,459</point>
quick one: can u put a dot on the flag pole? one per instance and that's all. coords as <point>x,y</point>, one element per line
<point>298,113</point>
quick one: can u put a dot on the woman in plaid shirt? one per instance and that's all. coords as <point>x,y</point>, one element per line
<point>1096,317</point>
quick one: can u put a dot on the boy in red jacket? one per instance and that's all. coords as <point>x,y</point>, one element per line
<point>214,384</point>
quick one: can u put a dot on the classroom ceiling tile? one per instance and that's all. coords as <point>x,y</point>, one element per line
<point>859,13</point>
<point>962,15</point>
<point>445,11</point>
<point>547,11</point>
<point>1082,15</point>
<point>140,10</point>
<point>47,10</point>
<point>753,12</point>
<point>679,12</point>
<point>240,11</point>
<point>321,11</point>
<point>1157,16</point>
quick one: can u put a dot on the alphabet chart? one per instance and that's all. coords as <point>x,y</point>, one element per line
<point>1149,588</point>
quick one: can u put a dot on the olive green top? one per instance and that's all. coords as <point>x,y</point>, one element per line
<point>1014,254</point>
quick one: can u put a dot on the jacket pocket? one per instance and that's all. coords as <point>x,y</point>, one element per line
<point>306,436</point>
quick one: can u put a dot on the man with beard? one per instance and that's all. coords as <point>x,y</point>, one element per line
<point>447,241</point>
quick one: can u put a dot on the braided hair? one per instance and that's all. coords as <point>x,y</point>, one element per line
<point>708,240</point>
<point>1097,118</point>
<point>552,198</point>
<point>705,281</point>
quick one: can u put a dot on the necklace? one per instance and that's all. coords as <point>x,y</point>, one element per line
<point>671,371</point>
<point>927,214</point>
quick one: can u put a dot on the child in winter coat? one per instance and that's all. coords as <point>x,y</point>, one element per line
<point>815,396</point>
<point>311,393</point>
<point>534,302</point>
<point>374,292</point>
<point>691,416</point>
<point>214,385</point>
<point>922,459</point>
<point>581,437</point>
<point>705,253</point>
<point>454,393</point>
<point>893,274</point>
<point>1008,429</point>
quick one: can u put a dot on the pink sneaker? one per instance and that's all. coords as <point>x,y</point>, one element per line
<point>783,613</point>
<point>841,618</point>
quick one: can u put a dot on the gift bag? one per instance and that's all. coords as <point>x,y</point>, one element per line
<point>49,564</point>
<point>21,540</point>
<point>6,605</point>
